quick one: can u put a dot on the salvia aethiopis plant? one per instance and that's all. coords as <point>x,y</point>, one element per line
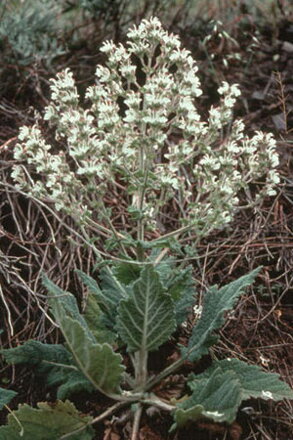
<point>142,132</point>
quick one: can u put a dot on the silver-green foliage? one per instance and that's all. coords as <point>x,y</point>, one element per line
<point>140,315</point>
<point>146,319</point>
<point>143,127</point>
<point>218,392</point>
<point>28,32</point>
<point>6,396</point>
<point>47,422</point>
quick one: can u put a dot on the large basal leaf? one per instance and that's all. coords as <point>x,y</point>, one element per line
<point>48,422</point>
<point>93,287</point>
<point>181,288</point>
<point>112,288</point>
<point>52,362</point>
<point>178,282</point>
<point>147,318</point>
<point>253,380</point>
<point>109,295</point>
<point>68,382</point>
<point>67,302</point>
<point>216,303</point>
<point>126,272</point>
<point>6,396</point>
<point>34,352</point>
<point>217,397</point>
<point>98,362</point>
<point>96,321</point>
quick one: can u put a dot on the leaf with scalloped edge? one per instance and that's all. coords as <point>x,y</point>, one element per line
<point>98,362</point>
<point>216,303</point>
<point>36,352</point>
<point>6,396</point>
<point>53,362</point>
<point>217,397</point>
<point>110,293</point>
<point>147,318</point>
<point>253,380</point>
<point>96,321</point>
<point>68,303</point>
<point>47,422</point>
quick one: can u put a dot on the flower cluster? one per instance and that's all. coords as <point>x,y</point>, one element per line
<point>143,128</point>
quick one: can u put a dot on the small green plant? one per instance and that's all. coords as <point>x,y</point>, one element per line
<point>143,134</point>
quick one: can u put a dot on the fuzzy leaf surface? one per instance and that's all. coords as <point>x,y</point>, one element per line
<point>53,362</point>
<point>182,290</point>
<point>96,321</point>
<point>147,318</point>
<point>179,284</point>
<point>6,396</point>
<point>253,380</point>
<point>47,422</point>
<point>216,303</point>
<point>217,398</point>
<point>114,290</point>
<point>35,352</point>
<point>65,300</point>
<point>98,362</point>
<point>94,288</point>
<point>109,295</point>
<point>126,273</point>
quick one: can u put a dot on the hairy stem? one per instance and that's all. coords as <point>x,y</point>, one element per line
<point>137,417</point>
<point>154,401</point>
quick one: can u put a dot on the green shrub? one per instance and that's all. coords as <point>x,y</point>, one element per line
<point>29,33</point>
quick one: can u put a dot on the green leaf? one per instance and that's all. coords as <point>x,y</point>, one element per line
<point>181,288</point>
<point>34,352</point>
<point>126,273</point>
<point>179,283</point>
<point>217,397</point>
<point>94,288</point>
<point>216,303</point>
<point>110,293</point>
<point>53,362</point>
<point>68,382</point>
<point>95,319</point>
<point>147,318</point>
<point>98,362</point>
<point>48,422</point>
<point>68,303</point>
<point>113,289</point>
<point>6,396</point>
<point>253,380</point>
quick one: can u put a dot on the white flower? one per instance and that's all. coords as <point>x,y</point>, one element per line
<point>143,129</point>
<point>197,311</point>
<point>214,414</point>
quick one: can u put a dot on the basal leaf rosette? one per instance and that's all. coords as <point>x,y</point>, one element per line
<point>142,134</point>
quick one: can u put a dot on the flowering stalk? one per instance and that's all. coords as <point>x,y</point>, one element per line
<point>142,133</point>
